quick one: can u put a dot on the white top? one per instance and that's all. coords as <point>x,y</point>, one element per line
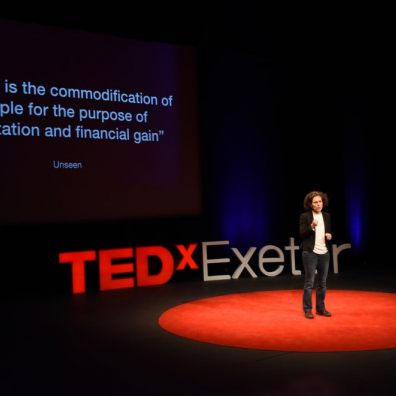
<point>320,241</point>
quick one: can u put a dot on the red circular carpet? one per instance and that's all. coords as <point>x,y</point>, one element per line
<point>273,320</point>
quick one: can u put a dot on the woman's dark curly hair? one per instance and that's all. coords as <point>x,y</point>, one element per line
<point>311,195</point>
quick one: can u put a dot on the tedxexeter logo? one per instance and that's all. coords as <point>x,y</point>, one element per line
<point>133,267</point>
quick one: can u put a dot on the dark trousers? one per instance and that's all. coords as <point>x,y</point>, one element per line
<point>311,263</point>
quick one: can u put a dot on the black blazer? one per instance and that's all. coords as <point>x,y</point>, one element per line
<point>307,235</point>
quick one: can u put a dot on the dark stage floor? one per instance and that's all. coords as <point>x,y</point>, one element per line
<point>110,344</point>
